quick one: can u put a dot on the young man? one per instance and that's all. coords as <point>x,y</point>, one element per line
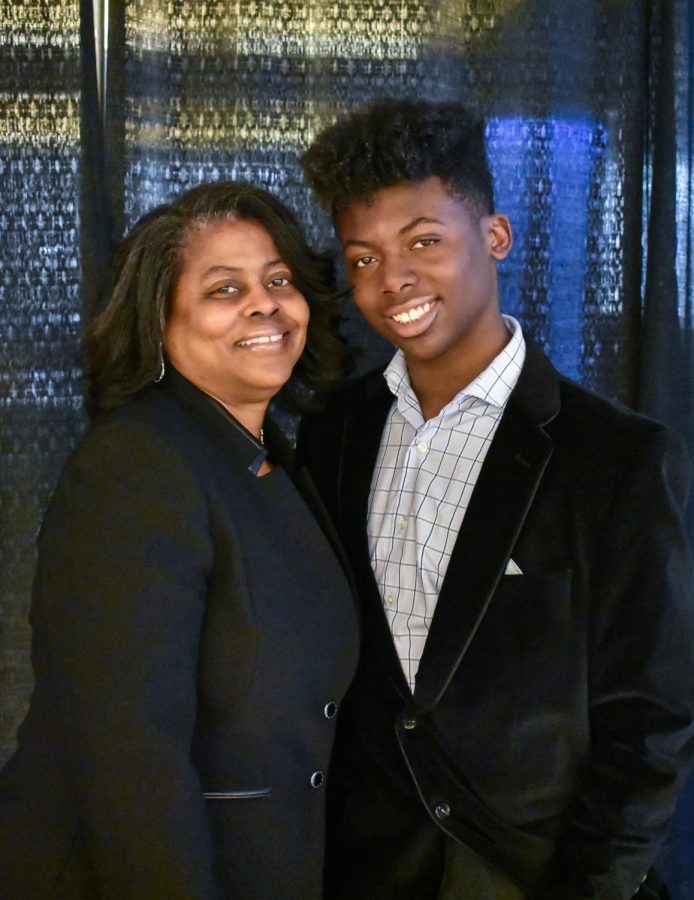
<point>522,718</point>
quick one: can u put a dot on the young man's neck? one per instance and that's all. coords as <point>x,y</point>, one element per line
<point>437,381</point>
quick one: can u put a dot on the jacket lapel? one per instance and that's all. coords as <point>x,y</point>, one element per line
<point>213,419</point>
<point>362,439</point>
<point>498,507</point>
<point>304,484</point>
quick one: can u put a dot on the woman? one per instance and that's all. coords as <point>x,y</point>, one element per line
<point>193,630</point>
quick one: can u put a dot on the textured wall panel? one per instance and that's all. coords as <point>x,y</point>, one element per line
<point>40,395</point>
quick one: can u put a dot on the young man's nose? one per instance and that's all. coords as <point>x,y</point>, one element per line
<point>396,275</point>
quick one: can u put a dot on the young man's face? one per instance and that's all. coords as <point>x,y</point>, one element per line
<point>423,268</point>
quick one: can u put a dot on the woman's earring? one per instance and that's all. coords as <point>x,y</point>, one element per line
<point>162,365</point>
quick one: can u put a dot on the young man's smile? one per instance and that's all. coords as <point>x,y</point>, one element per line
<point>413,318</point>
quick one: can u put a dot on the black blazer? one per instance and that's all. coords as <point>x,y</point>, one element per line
<point>193,636</point>
<point>552,721</point>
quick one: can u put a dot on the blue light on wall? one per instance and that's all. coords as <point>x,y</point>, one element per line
<point>544,171</point>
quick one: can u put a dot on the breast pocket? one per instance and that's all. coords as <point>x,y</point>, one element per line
<point>535,605</point>
<point>531,642</point>
<point>255,793</point>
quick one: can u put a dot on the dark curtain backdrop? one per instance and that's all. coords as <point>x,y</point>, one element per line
<point>590,116</point>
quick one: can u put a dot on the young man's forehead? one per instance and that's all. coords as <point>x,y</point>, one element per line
<point>408,194</point>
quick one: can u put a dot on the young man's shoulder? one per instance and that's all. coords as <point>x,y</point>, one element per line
<point>357,394</point>
<point>357,403</point>
<point>603,442</point>
<point>569,409</point>
<point>365,386</point>
<point>600,417</point>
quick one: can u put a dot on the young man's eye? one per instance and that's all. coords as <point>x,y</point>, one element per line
<point>425,242</point>
<point>363,261</point>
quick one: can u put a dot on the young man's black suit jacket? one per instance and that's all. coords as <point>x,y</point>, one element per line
<point>551,724</point>
<point>193,634</point>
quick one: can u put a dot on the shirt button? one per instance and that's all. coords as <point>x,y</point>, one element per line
<point>390,600</point>
<point>409,724</point>
<point>317,779</point>
<point>422,446</point>
<point>402,522</point>
<point>330,709</point>
<point>442,810</point>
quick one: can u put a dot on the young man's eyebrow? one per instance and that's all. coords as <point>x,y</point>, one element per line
<point>355,243</point>
<point>420,220</point>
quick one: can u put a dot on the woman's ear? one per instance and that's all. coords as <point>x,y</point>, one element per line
<point>500,235</point>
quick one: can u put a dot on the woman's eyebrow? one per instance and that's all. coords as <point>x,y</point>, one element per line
<point>213,270</point>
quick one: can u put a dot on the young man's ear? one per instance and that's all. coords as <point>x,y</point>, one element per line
<point>500,235</point>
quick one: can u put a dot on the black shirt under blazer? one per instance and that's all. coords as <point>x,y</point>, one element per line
<point>193,634</point>
<point>551,724</point>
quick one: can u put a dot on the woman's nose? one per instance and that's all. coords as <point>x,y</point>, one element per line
<point>260,302</point>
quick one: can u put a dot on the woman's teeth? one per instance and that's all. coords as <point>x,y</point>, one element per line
<point>266,339</point>
<point>411,315</point>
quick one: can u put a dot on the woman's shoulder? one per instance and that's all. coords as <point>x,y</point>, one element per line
<point>162,428</point>
<point>142,413</point>
<point>146,431</point>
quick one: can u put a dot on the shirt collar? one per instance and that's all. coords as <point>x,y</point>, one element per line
<point>493,385</point>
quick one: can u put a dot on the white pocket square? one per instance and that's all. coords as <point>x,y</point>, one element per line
<point>513,568</point>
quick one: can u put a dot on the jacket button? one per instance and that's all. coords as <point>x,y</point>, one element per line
<point>317,779</point>
<point>442,810</point>
<point>409,724</point>
<point>330,709</point>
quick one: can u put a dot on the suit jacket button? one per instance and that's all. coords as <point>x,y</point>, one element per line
<point>442,810</point>
<point>409,724</point>
<point>317,779</point>
<point>330,709</point>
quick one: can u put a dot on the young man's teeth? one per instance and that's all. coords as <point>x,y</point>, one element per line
<point>412,315</point>
<point>266,339</point>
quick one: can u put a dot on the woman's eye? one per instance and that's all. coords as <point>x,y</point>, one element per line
<point>425,242</point>
<point>279,281</point>
<point>225,289</point>
<point>363,261</point>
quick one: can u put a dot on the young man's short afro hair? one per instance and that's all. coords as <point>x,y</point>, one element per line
<point>391,141</point>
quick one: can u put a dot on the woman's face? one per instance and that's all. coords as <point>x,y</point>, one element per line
<point>236,324</point>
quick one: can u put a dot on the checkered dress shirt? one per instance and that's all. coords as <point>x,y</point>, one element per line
<point>424,476</point>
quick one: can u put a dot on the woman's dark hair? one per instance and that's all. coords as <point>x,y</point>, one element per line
<point>124,343</point>
<point>391,141</point>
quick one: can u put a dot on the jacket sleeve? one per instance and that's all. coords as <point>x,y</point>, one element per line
<point>118,607</point>
<point>641,684</point>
